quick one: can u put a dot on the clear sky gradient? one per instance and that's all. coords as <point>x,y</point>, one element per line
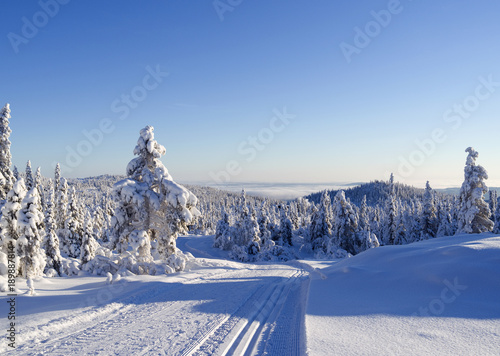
<point>363,79</point>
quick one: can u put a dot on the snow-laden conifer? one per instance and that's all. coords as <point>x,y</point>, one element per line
<point>321,224</point>
<point>222,238</point>
<point>73,227</point>
<point>6,177</point>
<point>31,232</point>
<point>429,223</point>
<point>474,212</point>
<point>150,203</point>
<point>9,233</point>
<point>89,244</point>
<point>28,177</point>
<point>345,224</point>
<point>51,242</point>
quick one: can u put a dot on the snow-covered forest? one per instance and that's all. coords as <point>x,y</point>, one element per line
<point>55,226</point>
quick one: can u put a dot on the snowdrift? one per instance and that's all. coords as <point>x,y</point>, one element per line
<point>440,296</point>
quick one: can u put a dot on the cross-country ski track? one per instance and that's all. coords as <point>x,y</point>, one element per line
<point>227,308</point>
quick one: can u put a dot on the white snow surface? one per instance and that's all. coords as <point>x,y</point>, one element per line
<point>437,297</point>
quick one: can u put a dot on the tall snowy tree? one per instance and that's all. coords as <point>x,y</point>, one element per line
<point>89,244</point>
<point>6,177</point>
<point>73,227</point>
<point>28,178</point>
<point>474,212</point>
<point>429,217</point>
<point>61,203</point>
<point>493,203</point>
<point>15,173</point>
<point>150,203</point>
<point>286,227</point>
<point>345,224</point>
<point>9,233</point>
<point>364,219</point>
<point>31,231</point>
<point>496,228</point>
<point>57,179</point>
<point>222,238</point>
<point>51,242</point>
<point>445,221</point>
<point>402,225</point>
<point>37,182</point>
<point>390,226</point>
<point>320,230</point>
<point>246,232</point>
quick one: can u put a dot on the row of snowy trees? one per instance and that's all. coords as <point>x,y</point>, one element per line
<point>339,227</point>
<point>44,225</point>
<point>100,225</point>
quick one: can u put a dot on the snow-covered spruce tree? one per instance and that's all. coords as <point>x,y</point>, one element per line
<point>429,223</point>
<point>246,225</point>
<point>150,205</point>
<point>390,225</point>
<point>222,238</point>
<point>496,228</point>
<point>31,232</point>
<point>445,221</point>
<point>73,227</point>
<point>364,219</point>
<point>57,179</point>
<point>294,215</point>
<point>375,221</point>
<point>28,178</point>
<point>37,182</point>
<point>15,173</point>
<point>493,204</point>
<point>253,232</point>
<point>6,177</point>
<point>263,221</point>
<point>345,224</point>
<point>402,222</point>
<point>61,203</point>
<point>286,227</point>
<point>474,212</point>
<point>8,224</point>
<point>98,222</point>
<point>51,242</point>
<point>246,232</point>
<point>320,229</point>
<point>89,244</point>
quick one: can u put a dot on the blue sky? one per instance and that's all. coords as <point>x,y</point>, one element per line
<point>430,66</point>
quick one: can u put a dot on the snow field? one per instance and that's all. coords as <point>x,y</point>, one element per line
<point>436,297</point>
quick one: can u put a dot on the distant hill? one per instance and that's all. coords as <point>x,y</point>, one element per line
<point>376,193</point>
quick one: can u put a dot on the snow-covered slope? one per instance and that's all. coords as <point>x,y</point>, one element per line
<point>218,307</point>
<point>437,297</point>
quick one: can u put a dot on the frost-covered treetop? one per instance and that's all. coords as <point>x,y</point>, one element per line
<point>148,166</point>
<point>5,132</point>
<point>5,113</point>
<point>471,170</point>
<point>471,158</point>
